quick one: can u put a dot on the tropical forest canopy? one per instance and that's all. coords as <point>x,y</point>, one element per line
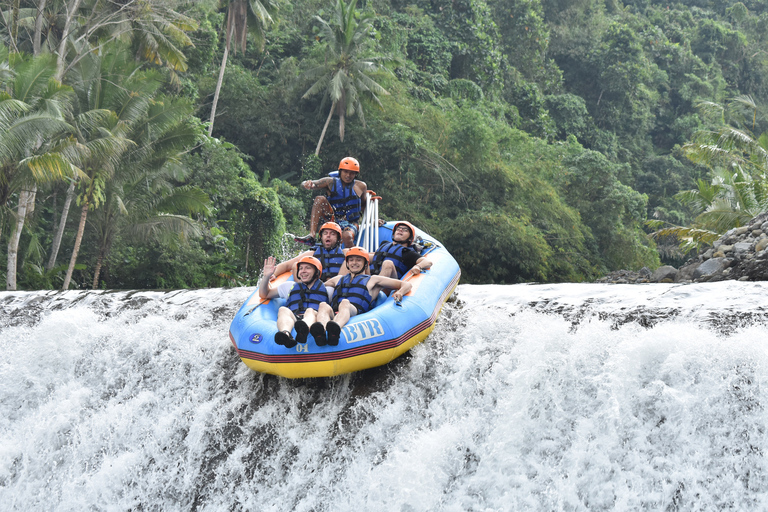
<point>161,143</point>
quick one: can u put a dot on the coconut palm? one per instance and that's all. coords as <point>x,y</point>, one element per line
<point>114,97</point>
<point>243,17</point>
<point>142,201</point>
<point>72,28</point>
<point>738,162</point>
<point>344,75</point>
<point>34,147</point>
<point>734,141</point>
<point>729,200</point>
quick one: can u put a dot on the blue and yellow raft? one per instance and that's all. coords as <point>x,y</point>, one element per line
<point>368,340</point>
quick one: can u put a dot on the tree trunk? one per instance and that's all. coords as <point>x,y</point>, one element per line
<point>220,81</point>
<point>103,251</point>
<point>322,135</point>
<point>247,251</point>
<point>26,207</point>
<point>62,57</point>
<point>62,224</point>
<point>76,249</point>
<point>38,27</point>
<point>14,25</point>
<point>97,271</point>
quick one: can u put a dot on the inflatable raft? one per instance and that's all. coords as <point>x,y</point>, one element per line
<point>371,339</point>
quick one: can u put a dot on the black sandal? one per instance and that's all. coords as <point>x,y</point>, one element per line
<point>302,330</point>
<point>318,332</point>
<point>333,332</point>
<point>285,339</point>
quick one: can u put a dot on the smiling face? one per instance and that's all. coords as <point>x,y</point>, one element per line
<point>347,176</point>
<point>306,273</point>
<point>356,264</point>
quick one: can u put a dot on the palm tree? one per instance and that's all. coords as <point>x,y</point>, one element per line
<point>734,141</point>
<point>344,74</point>
<point>34,148</point>
<point>243,17</point>
<point>142,201</point>
<point>114,97</point>
<point>738,189</point>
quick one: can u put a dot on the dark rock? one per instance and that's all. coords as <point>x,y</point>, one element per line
<point>710,267</point>
<point>664,272</point>
<point>740,254</point>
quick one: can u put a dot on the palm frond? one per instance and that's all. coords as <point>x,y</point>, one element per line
<point>33,77</point>
<point>163,227</point>
<point>50,167</point>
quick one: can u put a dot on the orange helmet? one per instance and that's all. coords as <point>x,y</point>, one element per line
<point>349,164</point>
<point>409,226</point>
<point>311,260</point>
<point>332,226</point>
<point>358,251</point>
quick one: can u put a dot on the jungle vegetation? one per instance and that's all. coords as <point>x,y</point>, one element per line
<point>160,143</point>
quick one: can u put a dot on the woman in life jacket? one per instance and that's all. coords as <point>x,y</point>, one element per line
<point>304,297</point>
<point>354,293</point>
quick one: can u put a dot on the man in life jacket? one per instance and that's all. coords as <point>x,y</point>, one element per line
<point>304,297</point>
<point>328,252</point>
<point>342,201</point>
<point>354,293</point>
<point>398,257</point>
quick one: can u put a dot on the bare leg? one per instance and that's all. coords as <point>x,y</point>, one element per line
<point>388,270</point>
<point>285,322</point>
<point>348,238</point>
<point>324,313</point>
<point>346,311</point>
<point>285,319</point>
<point>320,208</point>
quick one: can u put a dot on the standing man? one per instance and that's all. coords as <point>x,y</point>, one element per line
<point>396,258</point>
<point>354,293</point>
<point>341,202</point>
<point>304,297</point>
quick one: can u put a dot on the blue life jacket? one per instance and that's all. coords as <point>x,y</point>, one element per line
<point>394,252</point>
<point>331,260</point>
<point>353,289</point>
<point>302,297</point>
<point>344,200</point>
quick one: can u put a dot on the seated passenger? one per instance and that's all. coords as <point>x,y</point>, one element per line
<point>342,201</point>
<point>304,296</point>
<point>396,258</point>
<point>354,293</point>
<point>328,252</point>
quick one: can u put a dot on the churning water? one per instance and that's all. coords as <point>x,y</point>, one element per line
<point>526,397</point>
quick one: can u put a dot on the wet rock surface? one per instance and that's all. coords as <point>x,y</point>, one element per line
<point>740,254</point>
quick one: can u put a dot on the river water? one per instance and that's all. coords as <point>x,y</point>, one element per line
<point>526,397</point>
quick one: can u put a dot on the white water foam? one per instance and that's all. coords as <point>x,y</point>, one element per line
<point>525,397</point>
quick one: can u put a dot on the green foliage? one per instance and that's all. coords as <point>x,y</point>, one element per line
<point>346,74</point>
<point>202,55</point>
<point>248,220</point>
<point>530,104</point>
<point>525,37</point>
<point>494,248</point>
<point>544,130</point>
<point>613,211</point>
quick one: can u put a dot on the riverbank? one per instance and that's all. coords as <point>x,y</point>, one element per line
<point>741,254</point>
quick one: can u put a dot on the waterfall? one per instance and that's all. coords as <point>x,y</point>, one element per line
<point>525,397</point>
